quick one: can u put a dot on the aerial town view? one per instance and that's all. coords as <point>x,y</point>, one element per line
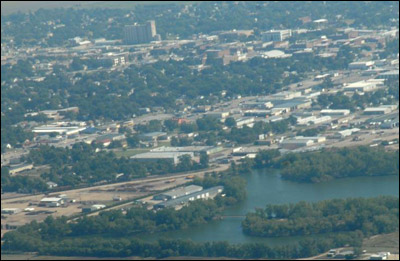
<point>190,130</point>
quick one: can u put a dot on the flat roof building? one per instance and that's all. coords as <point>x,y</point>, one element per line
<point>276,35</point>
<point>179,192</point>
<point>140,34</point>
<point>361,65</point>
<point>361,86</point>
<point>20,168</point>
<point>291,144</point>
<point>173,157</point>
<point>377,110</point>
<point>335,112</point>
<point>51,202</point>
<point>59,130</point>
<point>345,133</point>
<point>184,200</point>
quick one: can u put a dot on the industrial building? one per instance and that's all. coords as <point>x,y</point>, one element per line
<point>377,110</point>
<point>245,121</point>
<point>20,168</point>
<point>315,139</point>
<point>140,34</point>
<point>335,112</point>
<point>196,150</point>
<point>60,130</point>
<point>276,35</point>
<point>173,157</point>
<point>322,119</point>
<point>389,75</point>
<point>153,136</point>
<point>51,202</point>
<point>10,211</point>
<point>257,113</point>
<point>184,200</point>
<point>218,115</point>
<point>293,104</point>
<point>361,86</point>
<point>179,192</point>
<point>291,144</point>
<point>92,208</point>
<point>361,65</point>
<point>345,133</point>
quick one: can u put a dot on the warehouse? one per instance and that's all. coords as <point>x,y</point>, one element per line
<point>377,110</point>
<point>345,133</point>
<point>153,136</point>
<point>331,112</point>
<point>389,75</point>
<point>182,201</point>
<point>172,157</point>
<point>322,119</point>
<point>245,121</point>
<point>19,168</point>
<point>10,211</point>
<point>361,86</point>
<point>179,192</point>
<point>315,139</point>
<point>92,208</point>
<point>197,150</point>
<point>60,130</point>
<point>291,144</point>
<point>361,65</point>
<point>293,104</point>
<point>51,202</point>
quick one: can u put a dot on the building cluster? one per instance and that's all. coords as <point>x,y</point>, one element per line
<point>180,197</point>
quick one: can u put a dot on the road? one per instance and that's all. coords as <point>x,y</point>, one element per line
<point>108,186</point>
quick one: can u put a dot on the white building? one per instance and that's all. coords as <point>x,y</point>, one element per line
<point>291,144</point>
<point>361,65</point>
<point>245,121</point>
<point>276,35</point>
<point>361,86</point>
<point>346,133</point>
<point>173,157</point>
<point>51,202</point>
<point>331,112</point>
<point>59,130</point>
<point>377,110</point>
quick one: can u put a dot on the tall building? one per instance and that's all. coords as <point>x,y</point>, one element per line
<point>276,35</point>
<point>139,34</point>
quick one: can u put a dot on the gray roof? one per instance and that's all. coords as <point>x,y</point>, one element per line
<point>179,192</point>
<point>186,199</point>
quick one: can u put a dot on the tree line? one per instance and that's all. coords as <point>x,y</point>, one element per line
<point>370,215</point>
<point>329,164</point>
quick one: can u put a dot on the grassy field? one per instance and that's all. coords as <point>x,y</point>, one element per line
<point>380,243</point>
<point>8,7</point>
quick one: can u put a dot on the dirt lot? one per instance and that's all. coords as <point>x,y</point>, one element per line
<point>382,243</point>
<point>88,196</point>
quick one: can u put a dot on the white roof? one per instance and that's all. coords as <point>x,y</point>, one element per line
<point>377,109</point>
<point>50,199</point>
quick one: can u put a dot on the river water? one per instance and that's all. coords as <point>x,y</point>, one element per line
<point>266,187</point>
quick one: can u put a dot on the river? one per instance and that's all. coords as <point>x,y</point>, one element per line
<point>266,187</point>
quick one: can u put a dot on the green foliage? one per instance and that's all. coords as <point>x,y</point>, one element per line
<point>338,163</point>
<point>371,216</point>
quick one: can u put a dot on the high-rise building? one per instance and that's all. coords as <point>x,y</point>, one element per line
<point>276,35</point>
<point>139,34</point>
